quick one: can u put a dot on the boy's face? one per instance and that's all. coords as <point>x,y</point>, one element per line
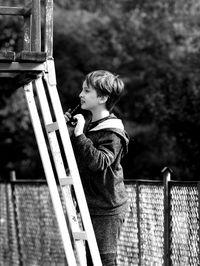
<point>89,98</point>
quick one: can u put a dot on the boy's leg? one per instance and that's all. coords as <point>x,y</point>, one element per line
<point>109,259</point>
<point>107,229</point>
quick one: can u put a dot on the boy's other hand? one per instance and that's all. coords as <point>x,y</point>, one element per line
<point>80,125</point>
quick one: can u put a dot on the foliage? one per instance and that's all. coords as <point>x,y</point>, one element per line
<point>18,146</point>
<point>154,47</point>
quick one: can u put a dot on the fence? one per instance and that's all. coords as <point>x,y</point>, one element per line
<point>162,225</point>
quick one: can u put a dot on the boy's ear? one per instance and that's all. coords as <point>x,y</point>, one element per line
<point>103,99</point>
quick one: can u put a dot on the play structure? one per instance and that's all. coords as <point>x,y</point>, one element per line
<point>33,69</point>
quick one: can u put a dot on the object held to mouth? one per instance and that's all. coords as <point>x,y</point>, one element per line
<point>73,121</point>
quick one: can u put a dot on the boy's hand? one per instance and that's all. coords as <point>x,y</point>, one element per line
<point>67,115</point>
<point>80,125</point>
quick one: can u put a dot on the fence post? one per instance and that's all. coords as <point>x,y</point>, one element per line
<point>198,186</point>
<point>166,178</point>
<point>138,222</point>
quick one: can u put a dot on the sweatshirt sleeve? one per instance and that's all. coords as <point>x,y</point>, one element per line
<point>101,156</point>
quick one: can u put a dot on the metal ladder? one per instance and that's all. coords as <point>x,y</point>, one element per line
<point>72,234</point>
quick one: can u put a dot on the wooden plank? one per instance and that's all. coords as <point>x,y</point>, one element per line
<point>66,181</point>
<point>7,75</point>
<point>52,127</point>
<point>80,235</point>
<point>36,26</point>
<point>31,56</point>
<point>15,11</point>
<point>7,56</point>
<point>27,33</point>
<point>22,67</point>
<point>48,28</point>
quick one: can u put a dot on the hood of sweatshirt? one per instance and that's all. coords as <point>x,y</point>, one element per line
<point>114,124</point>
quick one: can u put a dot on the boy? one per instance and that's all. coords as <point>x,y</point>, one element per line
<point>99,149</point>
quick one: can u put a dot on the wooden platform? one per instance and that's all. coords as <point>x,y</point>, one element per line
<point>21,67</point>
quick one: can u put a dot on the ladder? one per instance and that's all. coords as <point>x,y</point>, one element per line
<point>73,236</point>
<point>33,69</point>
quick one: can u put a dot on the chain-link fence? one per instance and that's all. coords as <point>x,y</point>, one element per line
<point>161,226</point>
<point>142,237</point>
<point>29,234</point>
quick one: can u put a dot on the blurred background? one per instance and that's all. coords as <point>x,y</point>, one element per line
<point>154,46</point>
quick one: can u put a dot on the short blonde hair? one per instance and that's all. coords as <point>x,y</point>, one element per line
<point>106,84</point>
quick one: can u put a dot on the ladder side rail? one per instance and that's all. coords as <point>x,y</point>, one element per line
<point>36,26</point>
<point>57,157</point>
<point>52,89</point>
<point>48,28</point>
<point>28,89</point>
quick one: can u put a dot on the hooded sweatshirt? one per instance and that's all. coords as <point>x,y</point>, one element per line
<point>98,152</point>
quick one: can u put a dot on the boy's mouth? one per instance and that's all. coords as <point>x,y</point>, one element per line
<point>82,102</point>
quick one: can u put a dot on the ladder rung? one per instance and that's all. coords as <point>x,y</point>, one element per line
<point>66,181</point>
<point>80,235</point>
<point>52,127</point>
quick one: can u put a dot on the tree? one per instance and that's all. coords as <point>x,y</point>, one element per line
<point>154,47</point>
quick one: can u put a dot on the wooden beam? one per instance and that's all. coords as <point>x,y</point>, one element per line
<point>7,75</point>
<point>48,28</point>
<point>15,11</point>
<point>22,67</point>
<point>31,56</point>
<point>7,56</point>
<point>36,26</point>
<point>27,33</point>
